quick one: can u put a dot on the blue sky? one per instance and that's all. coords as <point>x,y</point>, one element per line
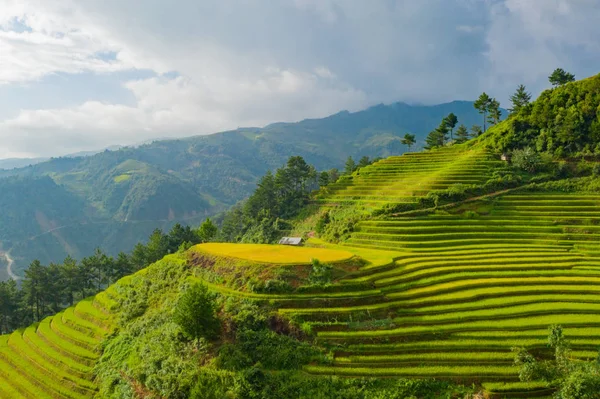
<point>84,74</point>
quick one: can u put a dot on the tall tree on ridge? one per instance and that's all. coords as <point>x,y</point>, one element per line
<point>451,121</point>
<point>408,140</point>
<point>520,99</point>
<point>494,112</point>
<point>560,77</point>
<point>482,105</point>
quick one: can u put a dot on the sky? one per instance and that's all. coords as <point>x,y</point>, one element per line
<point>81,75</point>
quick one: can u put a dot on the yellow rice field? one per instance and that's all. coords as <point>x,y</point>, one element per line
<point>278,254</point>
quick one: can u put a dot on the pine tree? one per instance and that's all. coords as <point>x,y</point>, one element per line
<point>408,140</point>
<point>350,166</point>
<point>462,134</point>
<point>483,105</point>
<point>432,140</point>
<point>494,112</point>
<point>560,77</point>
<point>451,121</point>
<point>364,161</point>
<point>520,99</point>
<point>476,131</point>
<point>437,137</point>
<point>323,179</point>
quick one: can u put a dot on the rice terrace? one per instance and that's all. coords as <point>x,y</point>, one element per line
<point>470,269</point>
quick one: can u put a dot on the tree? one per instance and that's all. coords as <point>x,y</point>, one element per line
<point>157,247</point>
<point>334,175</point>
<point>482,105</point>
<point>476,130</point>
<point>438,137</point>
<point>408,140</point>
<point>520,99</point>
<point>494,112</point>
<point>451,121</point>
<point>9,306</point>
<point>364,161</point>
<point>122,267</point>
<point>462,134</point>
<point>207,231</point>
<point>53,288</point>
<point>196,313</point>
<point>574,379</point>
<point>350,166</point>
<point>33,289</point>
<point>323,178</point>
<point>560,77</point>
<point>71,279</point>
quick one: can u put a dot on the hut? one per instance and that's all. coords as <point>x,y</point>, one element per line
<point>296,241</point>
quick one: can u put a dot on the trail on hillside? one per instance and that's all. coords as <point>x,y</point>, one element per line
<point>453,204</point>
<point>9,263</point>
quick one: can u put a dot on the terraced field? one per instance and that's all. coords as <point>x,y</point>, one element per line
<point>464,288</point>
<point>54,358</point>
<point>403,179</point>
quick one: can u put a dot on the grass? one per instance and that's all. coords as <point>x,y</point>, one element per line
<point>276,254</point>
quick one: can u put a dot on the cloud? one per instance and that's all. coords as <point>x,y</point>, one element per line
<point>176,107</point>
<point>36,41</point>
<point>218,65</point>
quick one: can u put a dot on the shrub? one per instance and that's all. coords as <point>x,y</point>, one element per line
<point>526,159</point>
<point>321,274</point>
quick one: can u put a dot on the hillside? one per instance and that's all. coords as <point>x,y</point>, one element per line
<point>428,267</point>
<point>129,192</point>
<point>436,293</point>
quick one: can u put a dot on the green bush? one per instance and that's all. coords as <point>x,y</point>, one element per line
<point>196,313</point>
<point>526,159</point>
<point>321,274</point>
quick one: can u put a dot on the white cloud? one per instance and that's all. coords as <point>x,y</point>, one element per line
<point>176,107</point>
<point>51,40</point>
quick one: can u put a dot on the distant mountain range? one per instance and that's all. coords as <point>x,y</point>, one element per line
<point>12,163</point>
<point>114,199</point>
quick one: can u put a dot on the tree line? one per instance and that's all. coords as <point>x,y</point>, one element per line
<point>489,108</point>
<point>47,289</point>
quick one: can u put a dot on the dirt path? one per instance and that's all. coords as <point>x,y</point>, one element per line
<point>9,264</point>
<point>453,204</point>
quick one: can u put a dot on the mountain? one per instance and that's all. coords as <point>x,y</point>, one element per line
<point>11,163</point>
<point>128,192</point>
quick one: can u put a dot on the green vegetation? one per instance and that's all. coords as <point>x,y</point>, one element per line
<point>451,258</point>
<point>195,313</point>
